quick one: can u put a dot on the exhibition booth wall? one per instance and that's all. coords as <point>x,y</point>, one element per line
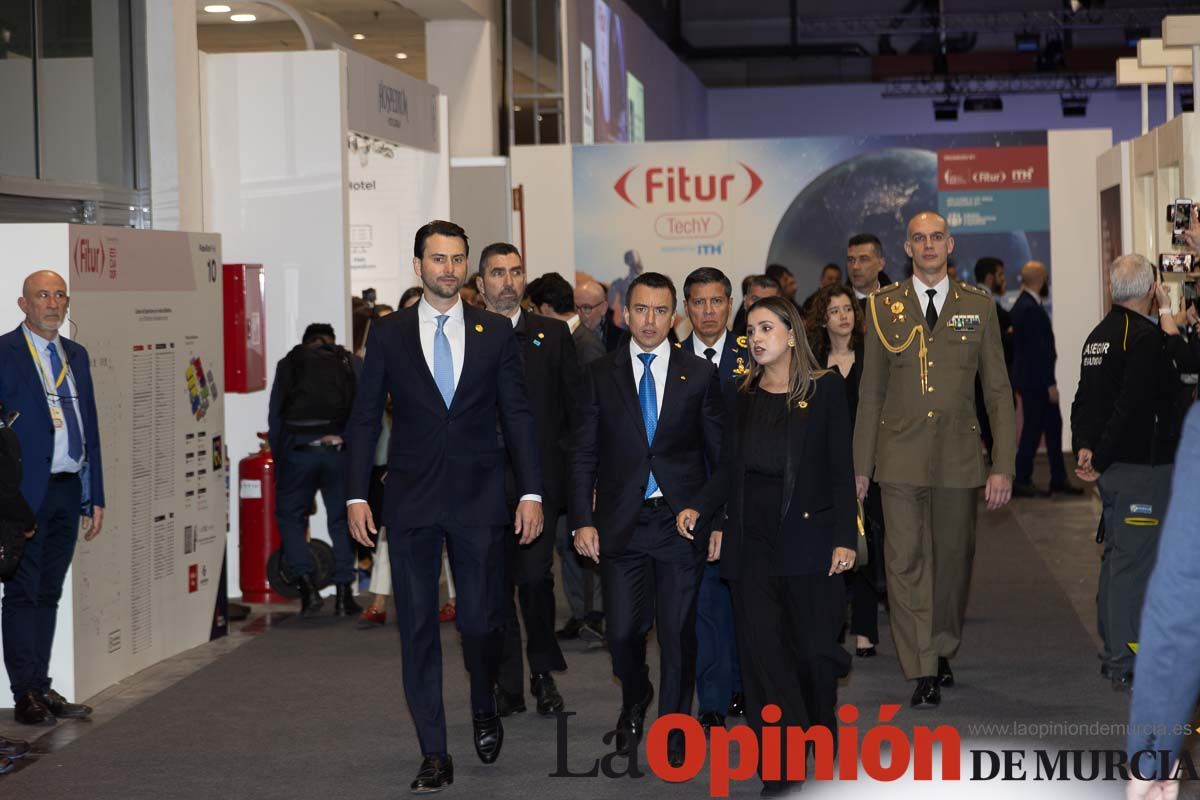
<point>320,166</point>
<point>608,211</point>
<point>147,306</point>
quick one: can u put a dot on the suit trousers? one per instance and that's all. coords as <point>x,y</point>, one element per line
<point>529,570</point>
<point>31,598</point>
<point>1039,416</point>
<point>1135,504</point>
<point>653,583</point>
<point>928,550</point>
<point>580,578</point>
<point>476,557</point>
<point>787,631</point>
<point>718,673</point>
<point>301,473</point>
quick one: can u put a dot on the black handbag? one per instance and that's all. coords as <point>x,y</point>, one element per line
<point>12,547</point>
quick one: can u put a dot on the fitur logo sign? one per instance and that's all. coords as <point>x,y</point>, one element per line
<point>94,258</point>
<point>676,185</point>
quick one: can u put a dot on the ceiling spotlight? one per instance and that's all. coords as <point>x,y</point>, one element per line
<point>983,103</point>
<point>401,56</point>
<point>358,37</point>
<point>1074,105</point>
<point>1027,42</point>
<point>243,17</point>
<point>218,9</point>
<point>944,110</point>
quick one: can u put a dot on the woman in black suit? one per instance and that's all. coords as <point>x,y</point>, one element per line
<point>786,483</point>
<point>835,332</point>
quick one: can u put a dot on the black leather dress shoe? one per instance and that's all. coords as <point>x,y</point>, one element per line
<point>344,604</point>
<point>543,689</point>
<point>310,598</point>
<point>13,748</point>
<point>509,703</point>
<point>436,773</point>
<point>927,694</point>
<point>60,708</point>
<point>945,676</point>
<point>865,652</point>
<point>631,725</point>
<point>31,709</point>
<point>711,719</point>
<point>570,630</point>
<point>676,753</point>
<point>737,705</point>
<point>1027,490</point>
<point>489,737</point>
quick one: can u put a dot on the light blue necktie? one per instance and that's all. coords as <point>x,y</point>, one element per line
<point>649,401</point>
<point>74,436</point>
<point>443,361</point>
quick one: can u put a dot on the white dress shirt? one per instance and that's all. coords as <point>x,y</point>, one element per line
<point>658,370</point>
<point>61,461</point>
<point>939,299</point>
<point>698,347</point>
<point>456,331</point>
<point>573,323</point>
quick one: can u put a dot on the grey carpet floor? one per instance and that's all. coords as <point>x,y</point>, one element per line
<point>316,710</point>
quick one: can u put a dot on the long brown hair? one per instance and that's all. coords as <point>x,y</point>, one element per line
<point>802,368</point>
<point>818,317</point>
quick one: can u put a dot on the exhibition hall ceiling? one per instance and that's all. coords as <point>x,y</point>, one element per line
<point>387,29</point>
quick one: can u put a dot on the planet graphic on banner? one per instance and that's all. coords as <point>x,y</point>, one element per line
<point>876,193</point>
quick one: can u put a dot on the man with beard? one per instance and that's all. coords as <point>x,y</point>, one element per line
<point>452,371</point>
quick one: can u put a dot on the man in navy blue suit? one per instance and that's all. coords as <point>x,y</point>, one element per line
<point>454,373</point>
<point>1034,357</point>
<point>707,296</point>
<point>46,379</point>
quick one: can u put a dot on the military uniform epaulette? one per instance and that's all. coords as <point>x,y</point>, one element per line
<point>974,289</point>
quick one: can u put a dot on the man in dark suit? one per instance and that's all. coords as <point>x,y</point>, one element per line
<point>591,301</point>
<point>754,288</point>
<point>706,297</point>
<point>46,378</point>
<point>452,371</point>
<point>651,417</point>
<point>1034,357</point>
<point>551,374</point>
<point>990,277</point>
<point>553,297</point>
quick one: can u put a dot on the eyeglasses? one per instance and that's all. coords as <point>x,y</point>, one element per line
<point>587,309</point>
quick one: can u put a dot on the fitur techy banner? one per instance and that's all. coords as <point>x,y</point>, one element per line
<point>739,205</point>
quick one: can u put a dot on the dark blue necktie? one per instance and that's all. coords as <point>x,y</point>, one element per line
<point>648,398</point>
<point>74,436</point>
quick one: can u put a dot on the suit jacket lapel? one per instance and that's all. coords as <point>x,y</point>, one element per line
<point>676,382</point>
<point>728,358</point>
<point>797,427</point>
<point>473,321</point>
<point>627,389</point>
<point>29,372</point>
<point>411,331</point>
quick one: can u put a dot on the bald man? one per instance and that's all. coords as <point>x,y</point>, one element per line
<point>1034,358</point>
<point>591,301</point>
<point>927,338</point>
<point>46,379</point>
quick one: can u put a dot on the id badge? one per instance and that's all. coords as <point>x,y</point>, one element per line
<point>56,416</point>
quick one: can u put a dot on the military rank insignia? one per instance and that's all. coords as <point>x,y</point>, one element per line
<point>964,322</point>
<point>741,368</point>
<point>741,341</point>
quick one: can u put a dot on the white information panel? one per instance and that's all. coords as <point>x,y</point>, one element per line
<point>147,306</point>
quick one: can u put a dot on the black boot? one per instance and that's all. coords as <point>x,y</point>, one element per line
<point>310,598</point>
<point>344,604</point>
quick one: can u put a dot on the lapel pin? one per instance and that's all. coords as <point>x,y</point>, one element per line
<point>741,341</point>
<point>537,342</point>
<point>802,404</point>
<point>479,328</point>
<point>678,345</point>
<point>683,377</point>
<point>541,335</point>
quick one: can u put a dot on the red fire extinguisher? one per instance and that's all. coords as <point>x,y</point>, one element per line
<point>257,531</point>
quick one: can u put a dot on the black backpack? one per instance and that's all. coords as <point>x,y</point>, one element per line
<point>322,388</point>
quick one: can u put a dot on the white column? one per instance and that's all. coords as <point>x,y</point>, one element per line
<point>1145,109</point>
<point>173,105</point>
<point>1170,93</point>
<point>462,60</point>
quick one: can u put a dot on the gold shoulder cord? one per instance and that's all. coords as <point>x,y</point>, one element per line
<point>917,330</point>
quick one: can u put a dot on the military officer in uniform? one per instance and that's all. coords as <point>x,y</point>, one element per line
<point>927,339</point>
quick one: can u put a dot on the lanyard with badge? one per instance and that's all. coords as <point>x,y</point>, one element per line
<point>55,402</point>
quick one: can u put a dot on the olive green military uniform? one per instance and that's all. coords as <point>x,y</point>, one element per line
<point>918,436</point>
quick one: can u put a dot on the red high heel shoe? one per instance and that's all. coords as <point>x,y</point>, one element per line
<point>448,613</point>
<point>370,618</point>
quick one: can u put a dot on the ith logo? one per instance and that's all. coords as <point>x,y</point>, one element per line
<point>677,185</point>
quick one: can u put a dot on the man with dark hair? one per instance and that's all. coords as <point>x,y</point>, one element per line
<point>552,378</point>
<point>641,457</point>
<point>864,264</point>
<point>830,274</point>
<point>453,372</point>
<point>786,280</point>
<point>754,288</point>
<point>311,398</point>
<point>553,297</point>
<point>706,298</point>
